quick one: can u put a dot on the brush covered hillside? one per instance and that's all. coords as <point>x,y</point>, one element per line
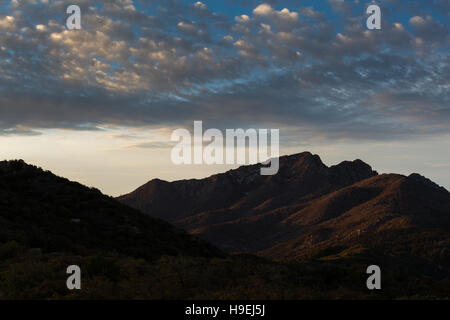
<point>306,206</point>
<point>48,223</point>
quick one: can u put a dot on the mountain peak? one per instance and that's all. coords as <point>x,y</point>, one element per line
<point>300,176</point>
<point>353,170</point>
<point>428,182</point>
<point>303,157</point>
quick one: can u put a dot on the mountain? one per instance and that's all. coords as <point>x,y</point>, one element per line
<point>48,223</point>
<point>50,214</point>
<point>306,205</point>
<point>299,177</point>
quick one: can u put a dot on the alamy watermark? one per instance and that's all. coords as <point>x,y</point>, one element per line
<point>73,22</point>
<point>74,280</point>
<point>230,148</point>
<point>374,281</point>
<point>374,20</point>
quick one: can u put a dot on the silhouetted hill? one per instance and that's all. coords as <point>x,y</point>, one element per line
<point>306,205</point>
<point>51,214</point>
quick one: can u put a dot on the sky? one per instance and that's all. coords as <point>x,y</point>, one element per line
<point>98,105</point>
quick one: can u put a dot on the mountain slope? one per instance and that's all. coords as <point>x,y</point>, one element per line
<point>306,205</point>
<point>50,214</point>
<point>383,204</point>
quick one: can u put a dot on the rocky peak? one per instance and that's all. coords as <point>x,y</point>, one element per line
<point>429,183</point>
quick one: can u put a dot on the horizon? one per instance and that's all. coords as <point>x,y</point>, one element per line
<point>98,105</point>
<point>221,170</point>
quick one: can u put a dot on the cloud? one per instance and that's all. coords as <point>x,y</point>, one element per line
<point>341,6</point>
<point>263,10</point>
<point>140,64</point>
<point>19,131</point>
<point>243,18</point>
<point>429,29</point>
<point>283,18</point>
<point>153,145</point>
<point>7,23</point>
<point>310,12</point>
<point>200,5</point>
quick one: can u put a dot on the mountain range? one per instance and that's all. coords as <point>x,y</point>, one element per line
<point>305,206</point>
<point>308,232</point>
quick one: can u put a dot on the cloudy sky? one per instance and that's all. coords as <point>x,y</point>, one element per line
<point>98,105</point>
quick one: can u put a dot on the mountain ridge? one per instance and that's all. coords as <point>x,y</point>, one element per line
<point>301,205</point>
<point>48,223</point>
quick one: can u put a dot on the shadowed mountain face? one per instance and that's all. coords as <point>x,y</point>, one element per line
<point>306,205</point>
<point>49,214</point>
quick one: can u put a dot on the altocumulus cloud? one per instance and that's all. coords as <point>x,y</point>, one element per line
<point>278,64</point>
